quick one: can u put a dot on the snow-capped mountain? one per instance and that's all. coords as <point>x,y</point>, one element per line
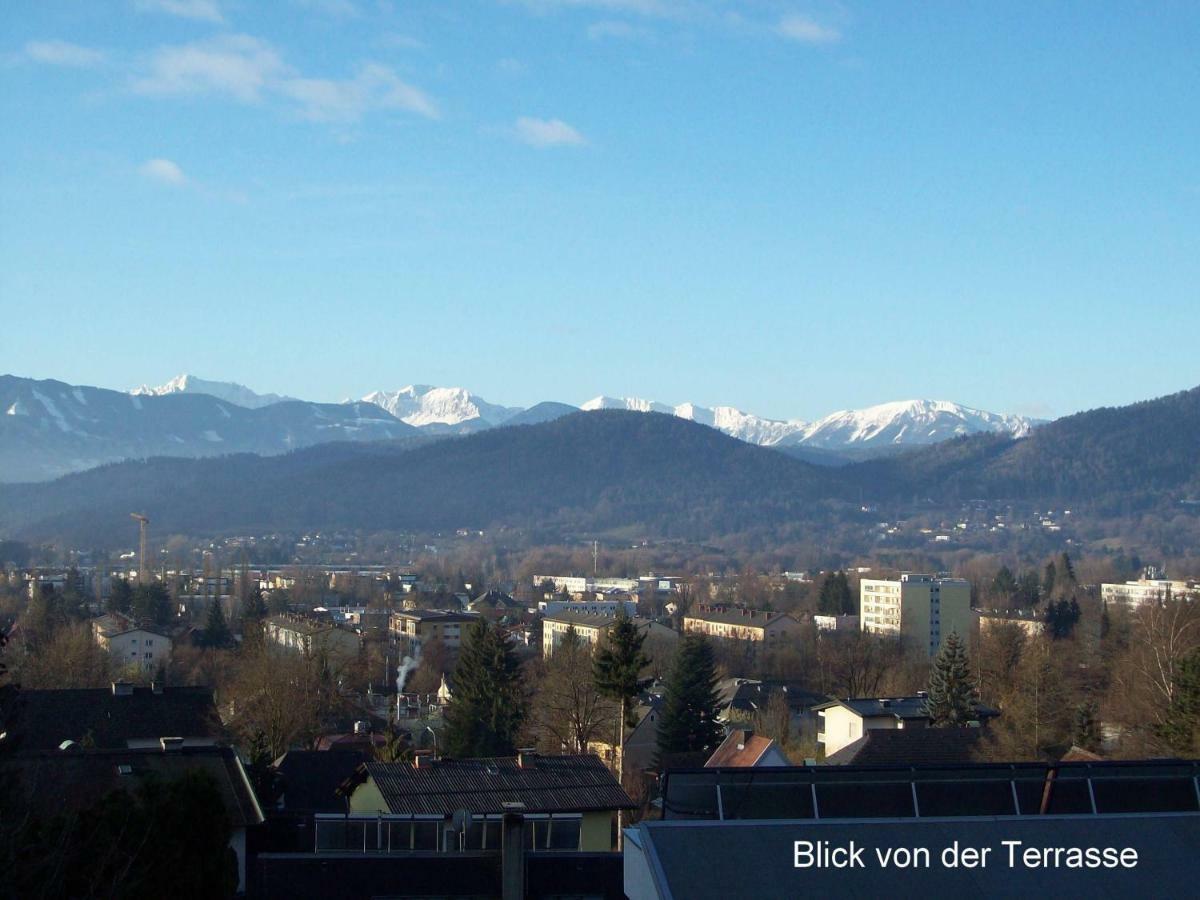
<point>423,405</point>
<point>735,423</point>
<point>905,422</point>
<point>228,391</point>
<point>48,428</point>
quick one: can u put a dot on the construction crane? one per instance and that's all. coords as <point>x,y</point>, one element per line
<point>143,521</point>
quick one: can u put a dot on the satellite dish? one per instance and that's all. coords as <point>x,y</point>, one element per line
<point>461,820</point>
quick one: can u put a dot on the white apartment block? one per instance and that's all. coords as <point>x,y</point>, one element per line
<point>922,608</point>
<point>1134,593</point>
<point>588,607</point>
<point>129,646</point>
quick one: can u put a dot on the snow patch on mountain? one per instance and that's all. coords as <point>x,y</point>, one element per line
<point>421,405</point>
<point>230,392</point>
<point>906,422</point>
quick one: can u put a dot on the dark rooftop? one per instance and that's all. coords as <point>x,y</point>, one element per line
<point>899,707</point>
<point>56,781</point>
<point>909,746</point>
<point>309,779</point>
<point>42,720</point>
<point>546,784</point>
<point>757,618</point>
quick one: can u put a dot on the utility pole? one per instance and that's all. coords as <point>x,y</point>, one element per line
<point>143,569</point>
<point>595,558</point>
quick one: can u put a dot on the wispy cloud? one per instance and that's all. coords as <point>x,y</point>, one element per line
<point>615,28</point>
<point>401,41</point>
<point>547,133</point>
<point>251,71</point>
<point>200,10</point>
<point>163,171</point>
<point>806,30</point>
<point>63,53</point>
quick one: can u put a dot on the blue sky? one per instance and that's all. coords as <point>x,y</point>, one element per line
<point>783,206</point>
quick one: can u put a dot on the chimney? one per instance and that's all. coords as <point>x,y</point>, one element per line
<point>512,852</point>
<point>170,744</point>
<point>360,727</point>
<point>156,687</point>
<point>422,759</point>
<point>122,689</point>
<point>526,757</point>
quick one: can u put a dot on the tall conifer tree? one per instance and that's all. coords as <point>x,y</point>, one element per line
<point>951,699</point>
<point>485,716</point>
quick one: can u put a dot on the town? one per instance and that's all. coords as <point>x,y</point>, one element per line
<point>366,712</point>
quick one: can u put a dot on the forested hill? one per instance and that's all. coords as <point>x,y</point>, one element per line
<point>1120,458</point>
<point>648,473</point>
<point>616,472</point>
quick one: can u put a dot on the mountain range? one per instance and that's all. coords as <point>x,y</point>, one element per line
<point>50,428</point>
<point>620,474</point>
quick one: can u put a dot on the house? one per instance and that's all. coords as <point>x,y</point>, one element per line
<point>1143,816</point>
<point>568,803</point>
<point>841,722</point>
<point>129,645</point>
<point>910,746</point>
<point>641,741</point>
<point>311,637</point>
<point>749,698</point>
<point>63,784</point>
<point>590,629</point>
<point>123,716</point>
<point>743,749</point>
<point>740,623</point>
<point>989,620</point>
<point>416,627</point>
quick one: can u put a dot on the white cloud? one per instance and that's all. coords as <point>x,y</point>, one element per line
<point>374,87</point>
<point>200,10</point>
<point>401,41</point>
<point>62,53</point>
<point>164,172</point>
<point>251,71</point>
<point>547,133</point>
<point>806,30</point>
<point>235,64</point>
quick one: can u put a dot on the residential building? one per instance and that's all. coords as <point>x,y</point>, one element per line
<point>1133,594</point>
<point>922,608</point>
<point>568,803</point>
<point>416,627</point>
<point>590,629</point>
<point>313,638</point>
<point>841,722</point>
<point>124,716</point>
<point>641,742</point>
<point>58,786</point>
<point>594,607</point>
<point>910,746</point>
<point>743,749</point>
<point>740,623</point>
<point>836,623</point>
<point>989,620</point>
<point>129,645</point>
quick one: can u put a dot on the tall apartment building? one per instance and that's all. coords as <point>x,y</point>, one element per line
<point>923,608</point>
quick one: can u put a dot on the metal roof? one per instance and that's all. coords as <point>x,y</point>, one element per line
<point>546,784</point>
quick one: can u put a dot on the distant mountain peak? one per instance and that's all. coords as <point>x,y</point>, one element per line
<point>229,391</point>
<point>907,422</point>
<point>423,405</point>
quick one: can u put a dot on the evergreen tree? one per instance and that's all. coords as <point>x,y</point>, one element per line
<point>120,596</point>
<point>617,671</point>
<point>216,629</point>
<point>688,721</point>
<point>485,716</point>
<point>951,700</point>
<point>1066,571</point>
<point>1061,617</point>
<point>1004,584</point>
<point>254,610</point>
<point>1085,731</point>
<point>1105,620</point>
<point>1049,579</point>
<point>835,598</point>
<point>1181,731</point>
<point>151,604</point>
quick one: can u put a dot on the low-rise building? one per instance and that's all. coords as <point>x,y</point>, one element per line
<point>568,803</point>
<point>1133,594</point>
<point>129,645</point>
<point>591,629</point>
<point>836,623</point>
<point>740,623</point>
<point>414,628</point>
<point>990,620</point>
<point>841,722</point>
<point>743,749</point>
<point>312,638</point>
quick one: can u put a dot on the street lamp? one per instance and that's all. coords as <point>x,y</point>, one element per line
<point>429,728</point>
